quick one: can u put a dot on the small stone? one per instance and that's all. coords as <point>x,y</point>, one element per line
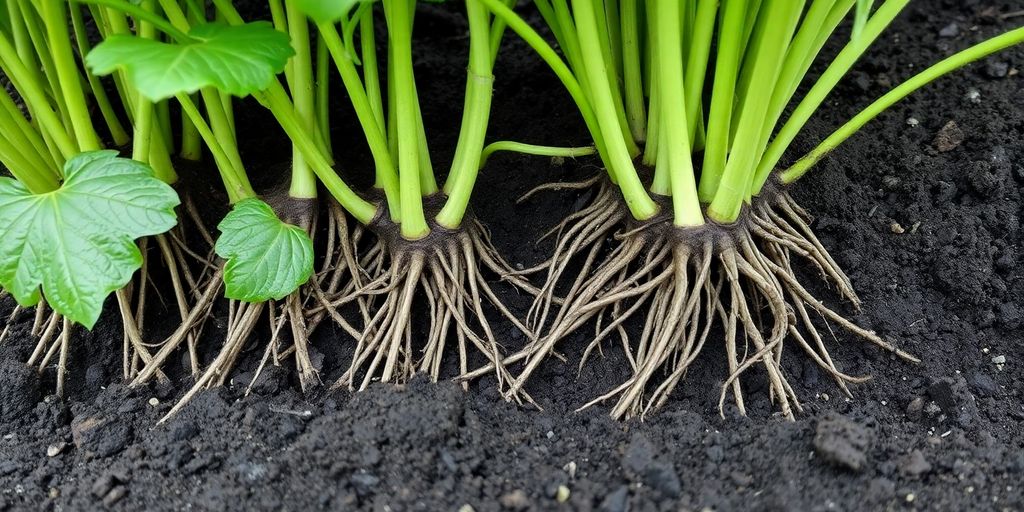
<point>949,137</point>
<point>912,121</point>
<point>896,228</point>
<point>55,449</point>
<point>153,402</point>
<point>466,508</point>
<point>741,479</point>
<point>842,442</point>
<point>53,493</point>
<point>115,495</point>
<point>364,482</point>
<point>914,408</point>
<point>984,385</point>
<point>915,464</point>
<point>999,360</point>
<point>951,30</point>
<point>996,69</point>
<point>616,501</point>
<point>890,182</point>
<point>973,96</point>
<point>570,468</point>
<point>515,500</point>
<point>562,495</point>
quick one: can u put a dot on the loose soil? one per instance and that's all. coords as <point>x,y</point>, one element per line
<point>923,214</point>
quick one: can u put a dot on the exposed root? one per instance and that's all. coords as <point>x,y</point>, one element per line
<point>739,277</point>
<point>445,272</point>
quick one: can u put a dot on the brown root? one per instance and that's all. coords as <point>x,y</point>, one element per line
<point>740,278</point>
<point>445,272</point>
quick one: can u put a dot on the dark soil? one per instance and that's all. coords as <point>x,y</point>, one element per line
<point>924,215</point>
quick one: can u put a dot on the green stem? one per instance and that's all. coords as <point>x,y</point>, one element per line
<point>641,206</point>
<point>697,63</point>
<point>821,89</point>
<point>399,19</point>
<point>25,136</point>
<point>475,116</point>
<point>675,140</point>
<point>141,14</point>
<point>723,91</point>
<point>371,70</point>
<point>947,65</point>
<point>767,61</point>
<point>632,69</point>
<point>558,66</point>
<point>117,131</point>
<point>56,22</point>
<point>533,149</point>
<point>236,183</point>
<point>26,170</point>
<point>276,99</point>
<point>32,93</point>
<point>373,129</point>
<point>220,123</point>
<point>303,181</point>
<point>323,96</point>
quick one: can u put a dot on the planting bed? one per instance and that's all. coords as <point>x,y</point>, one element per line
<point>922,210</point>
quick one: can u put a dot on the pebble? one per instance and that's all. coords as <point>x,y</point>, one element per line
<point>639,461</point>
<point>951,30</point>
<point>984,385</point>
<point>914,408</point>
<point>364,482</point>
<point>842,442</point>
<point>55,449</point>
<point>467,508</point>
<point>949,137</point>
<point>973,95</point>
<point>915,464</point>
<point>996,69</point>
<point>617,501</point>
<point>570,468</point>
<point>115,495</point>
<point>515,500</point>
<point>912,121</point>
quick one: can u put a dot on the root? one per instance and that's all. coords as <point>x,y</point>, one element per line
<point>740,278</point>
<point>445,272</point>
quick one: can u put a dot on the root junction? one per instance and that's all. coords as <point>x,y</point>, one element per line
<point>682,283</point>
<point>445,271</point>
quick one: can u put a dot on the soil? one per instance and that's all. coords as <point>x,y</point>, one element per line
<point>922,209</point>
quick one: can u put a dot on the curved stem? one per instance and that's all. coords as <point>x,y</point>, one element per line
<point>141,14</point>
<point>956,61</point>
<point>820,90</point>
<point>533,149</point>
<point>399,19</point>
<point>276,99</point>
<point>475,116</point>
<point>641,206</point>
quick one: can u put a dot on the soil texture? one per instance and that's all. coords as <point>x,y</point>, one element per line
<point>922,209</point>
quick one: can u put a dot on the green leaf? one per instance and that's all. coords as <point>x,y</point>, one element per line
<point>237,59</point>
<point>326,11</point>
<point>266,257</point>
<point>78,242</point>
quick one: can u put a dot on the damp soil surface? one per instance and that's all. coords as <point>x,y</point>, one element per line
<point>923,210</point>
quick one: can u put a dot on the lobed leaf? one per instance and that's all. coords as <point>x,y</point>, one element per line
<point>266,257</point>
<point>237,59</point>
<point>78,242</point>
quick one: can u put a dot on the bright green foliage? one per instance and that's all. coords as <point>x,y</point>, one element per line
<point>267,258</point>
<point>236,59</point>
<point>77,242</point>
<point>326,11</point>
